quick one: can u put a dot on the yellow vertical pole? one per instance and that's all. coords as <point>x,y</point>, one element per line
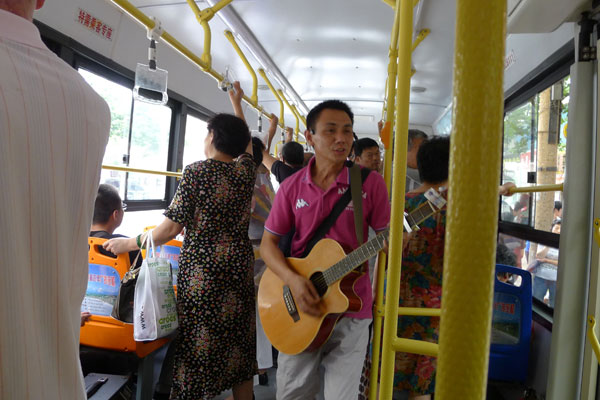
<point>390,324</point>
<point>472,215</point>
<point>389,115</point>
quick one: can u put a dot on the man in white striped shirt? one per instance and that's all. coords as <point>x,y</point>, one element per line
<point>53,132</point>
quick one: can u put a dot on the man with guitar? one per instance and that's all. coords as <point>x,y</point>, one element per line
<point>304,201</point>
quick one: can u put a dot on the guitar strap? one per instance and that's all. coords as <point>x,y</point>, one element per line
<point>341,204</point>
<point>356,190</point>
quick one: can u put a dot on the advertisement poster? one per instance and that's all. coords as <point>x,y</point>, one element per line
<point>102,290</point>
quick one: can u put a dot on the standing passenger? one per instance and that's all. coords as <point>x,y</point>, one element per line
<point>292,155</point>
<point>367,154</point>
<point>303,201</point>
<point>53,132</point>
<point>216,342</point>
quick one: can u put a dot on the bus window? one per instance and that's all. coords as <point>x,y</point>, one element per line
<point>149,150</point>
<point>541,260</point>
<point>534,153</point>
<point>195,133</point>
<point>119,101</point>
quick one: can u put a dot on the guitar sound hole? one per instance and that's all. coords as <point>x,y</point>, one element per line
<point>318,280</point>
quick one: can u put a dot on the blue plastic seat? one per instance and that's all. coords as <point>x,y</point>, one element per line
<point>511,327</point>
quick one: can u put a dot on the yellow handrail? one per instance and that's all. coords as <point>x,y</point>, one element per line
<point>537,188</point>
<point>390,324</point>
<point>378,310</point>
<point>254,97</point>
<point>296,115</point>
<point>143,19</point>
<point>419,312</point>
<point>392,3</point>
<point>596,230</point>
<point>415,346</point>
<point>203,16</point>
<point>270,85</point>
<point>295,111</point>
<point>420,37</point>
<point>142,171</point>
<point>475,159</point>
<point>592,336</point>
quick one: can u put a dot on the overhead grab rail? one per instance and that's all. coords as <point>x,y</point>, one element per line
<point>538,188</point>
<point>142,171</point>
<point>254,97</point>
<point>423,33</point>
<point>274,91</point>
<point>294,111</point>
<point>203,16</point>
<point>146,21</point>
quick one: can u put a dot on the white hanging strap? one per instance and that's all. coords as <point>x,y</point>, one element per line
<point>156,32</point>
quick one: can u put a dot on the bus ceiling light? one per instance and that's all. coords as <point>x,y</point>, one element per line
<point>150,81</point>
<point>235,24</point>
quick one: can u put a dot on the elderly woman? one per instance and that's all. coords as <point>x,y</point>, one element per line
<point>421,281</point>
<point>216,347</point>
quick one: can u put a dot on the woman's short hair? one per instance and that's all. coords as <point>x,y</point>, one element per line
<point>257,148</point>
<point>230,134</point>
<point>433,158</point>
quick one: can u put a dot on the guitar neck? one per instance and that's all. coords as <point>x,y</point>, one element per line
<point>369,249</point>
<point>372,247</point>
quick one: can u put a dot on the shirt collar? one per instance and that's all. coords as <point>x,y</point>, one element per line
<point>343,177</point>
<point>18,29</point>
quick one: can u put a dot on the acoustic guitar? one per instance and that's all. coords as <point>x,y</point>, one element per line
<point>333,273</point>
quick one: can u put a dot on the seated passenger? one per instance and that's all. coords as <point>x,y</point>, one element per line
<point>292,155</point>
<point>108,216</point>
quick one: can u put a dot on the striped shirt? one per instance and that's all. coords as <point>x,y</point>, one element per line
<point>53,132</point>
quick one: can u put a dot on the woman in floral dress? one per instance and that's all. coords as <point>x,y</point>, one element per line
<point>421,281</point>
<point>216,341</point>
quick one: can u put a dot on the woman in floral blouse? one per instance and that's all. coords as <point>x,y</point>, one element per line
<point>216,341</point>
<point>421,281</point>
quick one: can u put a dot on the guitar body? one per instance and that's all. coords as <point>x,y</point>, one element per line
<point>306,333</point>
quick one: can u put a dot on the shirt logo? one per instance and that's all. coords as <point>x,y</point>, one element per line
<point>301,203</point>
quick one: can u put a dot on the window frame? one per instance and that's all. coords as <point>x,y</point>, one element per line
<point>553,69</point>
<point>79,56</point>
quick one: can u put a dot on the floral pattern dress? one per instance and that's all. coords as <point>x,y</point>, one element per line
<point>216,342</point>
<point>420,286</point>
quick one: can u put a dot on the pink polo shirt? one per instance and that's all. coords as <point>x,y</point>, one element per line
<point>300,203</point>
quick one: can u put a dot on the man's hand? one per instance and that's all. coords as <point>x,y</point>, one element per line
<point>272,131</point>
<point>289,134</point>
<point>237,94</point>
<point>504,190</point>
<point>305,295</point>
<point>85,316</point>
<point>380,126</point>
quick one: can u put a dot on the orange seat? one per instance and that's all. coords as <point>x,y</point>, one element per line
<point>103,331</point>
